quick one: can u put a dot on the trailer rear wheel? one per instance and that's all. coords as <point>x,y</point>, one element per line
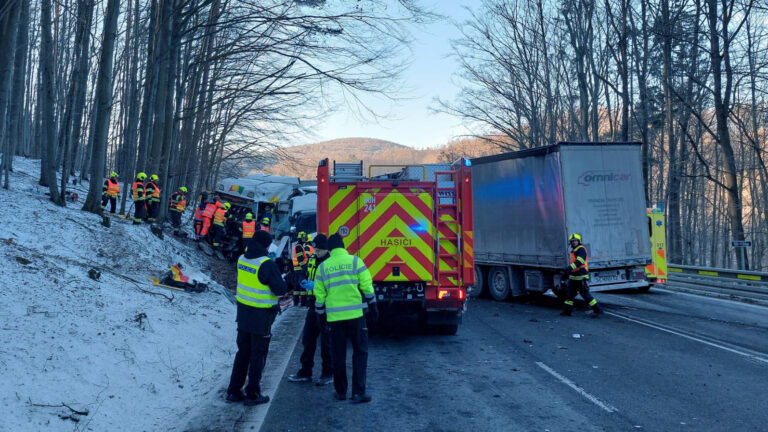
<point>498,283</point>
<point>479,287</point>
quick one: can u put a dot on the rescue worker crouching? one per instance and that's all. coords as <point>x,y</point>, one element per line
<point>312,326</point>
<point>343,288</point>
<point>139,198</point>
<point>578,277</point>
<point>177,206</point>
<point>110,192</point>
<point>259,286</point>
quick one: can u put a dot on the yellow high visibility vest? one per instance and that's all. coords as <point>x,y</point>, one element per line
<point>250,291</point>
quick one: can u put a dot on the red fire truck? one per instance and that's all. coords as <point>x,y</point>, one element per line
<point>413,229</point>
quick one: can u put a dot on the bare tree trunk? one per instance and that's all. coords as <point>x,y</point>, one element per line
<point>46,101</point>
<point>8,37</point>
<point>133,110</point>
<point>722,100</point>
<point>104,106</point>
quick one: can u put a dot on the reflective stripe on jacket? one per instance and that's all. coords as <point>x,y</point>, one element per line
<point>178,201</point>
<point>153,192</point>
<point>249,229</point>
<point>220,216</point>
<point>209,210</point>
<point>111,188</point>
<point>579,263</point>
<point>342,284</point>
<point>250,291</point>
<point>137,191</point>
<point>300,257</point>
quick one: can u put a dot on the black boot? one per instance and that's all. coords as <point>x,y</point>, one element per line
<point>251,400</point>
<point>237,396</point>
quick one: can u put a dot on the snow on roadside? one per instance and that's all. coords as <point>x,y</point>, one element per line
<point>135,361</point>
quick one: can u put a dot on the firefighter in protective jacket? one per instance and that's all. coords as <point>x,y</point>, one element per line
<point>109,192</point>
<point>152,198</point>
<point>343,291</point>
<point>139,198</point>
<point>578,277</point>
<point>177,206</point>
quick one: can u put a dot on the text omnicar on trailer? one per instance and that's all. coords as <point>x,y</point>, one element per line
<point>413,228</point>
<point>526,203</point>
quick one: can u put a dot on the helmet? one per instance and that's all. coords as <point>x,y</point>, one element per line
<point>141,176</point>
<point>183,189</point>
<point>575,236</point>
<point>265,221</point>
<point>302,235</point>
<point>227,206</point>
<point>154,177</point>
<point>249,216</point>
<point>309,238</point>
<point>112,174</point>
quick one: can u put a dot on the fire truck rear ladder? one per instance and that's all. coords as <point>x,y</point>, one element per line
<point>447,205</point>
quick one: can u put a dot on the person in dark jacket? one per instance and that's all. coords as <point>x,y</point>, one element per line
<point>312,327</point>
<point>259,287</point>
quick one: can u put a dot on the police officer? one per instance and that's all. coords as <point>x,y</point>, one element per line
<point>259,286</point>
<point>578,275</point>
<point>312,326</point>
<point>343,289</point>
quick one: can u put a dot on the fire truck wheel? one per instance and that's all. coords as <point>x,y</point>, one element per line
<point>498,283</point>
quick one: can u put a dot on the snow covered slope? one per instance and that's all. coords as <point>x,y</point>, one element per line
<point>133,360</point>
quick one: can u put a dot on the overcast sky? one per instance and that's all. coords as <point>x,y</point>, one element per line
<point>430,75</point>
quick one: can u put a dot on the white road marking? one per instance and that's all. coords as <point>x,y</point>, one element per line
<point>578,389</point>
<point>693,338</point>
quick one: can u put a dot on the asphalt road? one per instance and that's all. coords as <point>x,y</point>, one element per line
<point>659,362</point>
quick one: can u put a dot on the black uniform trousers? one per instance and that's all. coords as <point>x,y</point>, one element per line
<point>152,207</point>
<point>356,331</point>
<point>218,234</point>
<point>313,329</point>
<point>112,202</point>
<point>578,287</point>
<point>252,350</point>
<point>139,211</point>
<point>175,220</point>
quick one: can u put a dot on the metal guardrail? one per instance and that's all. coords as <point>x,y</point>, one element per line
<point>748,286</point>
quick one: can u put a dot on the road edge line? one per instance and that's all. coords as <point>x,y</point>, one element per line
<point>693,338</point>
<point>578,389</point>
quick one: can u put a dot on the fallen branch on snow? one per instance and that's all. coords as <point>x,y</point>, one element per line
<point>61,405</point>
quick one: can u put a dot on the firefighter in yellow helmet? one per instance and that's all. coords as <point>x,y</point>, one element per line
<point>139,198</point>
<point>578,277</point>
<point>177,206</point>
<point>153,198</point>
<point>109,192</point>
<point>220,218</point>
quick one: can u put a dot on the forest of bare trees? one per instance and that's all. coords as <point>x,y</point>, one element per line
<point>686,78</point>
<point>186,89</point>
